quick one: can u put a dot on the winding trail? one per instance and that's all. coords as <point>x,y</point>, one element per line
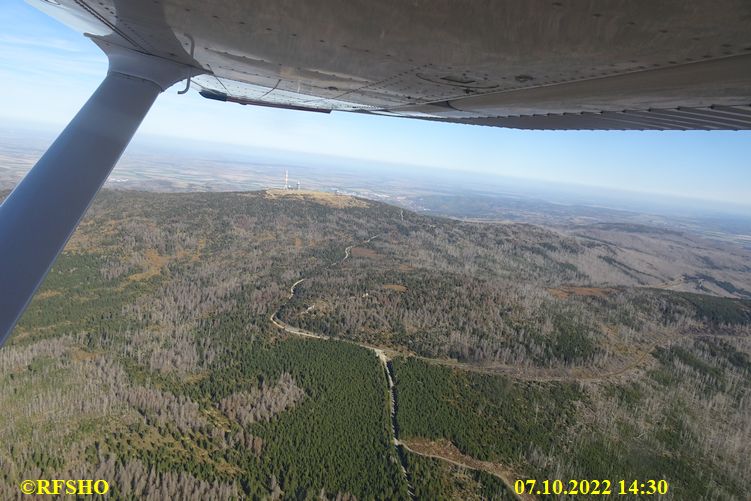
<point>292,289</point>
<point>379,352</point>
<point>640,360</point>
<point>348,251</point>
<point>388,370</point>
<point>399,445</point>
<point>437,450</point>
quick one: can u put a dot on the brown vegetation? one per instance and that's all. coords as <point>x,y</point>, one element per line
<point>564,292</point>
<point>363,252</point>
<point>321,197</point>
<point>446,451</point>
<point>395,287</point>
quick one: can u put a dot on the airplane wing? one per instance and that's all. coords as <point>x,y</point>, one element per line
<point>528,64</point>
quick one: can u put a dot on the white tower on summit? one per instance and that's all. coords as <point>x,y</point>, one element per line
<point>286,179</point>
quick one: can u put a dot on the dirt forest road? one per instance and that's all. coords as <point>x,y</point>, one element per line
<point>388,370</point>
<point>385,359</point>
<point>401,446</point>
<point>441,451</point>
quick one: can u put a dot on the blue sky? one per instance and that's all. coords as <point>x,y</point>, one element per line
<point>47,72</point>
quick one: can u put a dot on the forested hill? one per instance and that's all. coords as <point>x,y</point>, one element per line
<point>148,357</point>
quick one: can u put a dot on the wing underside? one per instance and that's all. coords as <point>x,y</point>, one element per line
<point>530,64</point>
<point>710,118</point>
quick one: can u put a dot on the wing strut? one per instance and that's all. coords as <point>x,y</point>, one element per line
<point>44,209</point>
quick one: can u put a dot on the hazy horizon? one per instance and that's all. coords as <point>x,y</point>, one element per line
<point>560,192</point>
<point>50,71</point>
